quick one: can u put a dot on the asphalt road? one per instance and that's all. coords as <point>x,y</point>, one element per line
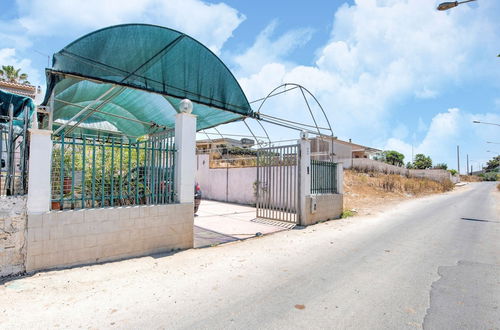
<point>431,263</point>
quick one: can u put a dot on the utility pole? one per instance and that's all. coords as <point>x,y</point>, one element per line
<point>458,159</point>
<point>467,164</point>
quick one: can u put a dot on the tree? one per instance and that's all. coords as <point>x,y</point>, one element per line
<point>441,166</point>
<point>493,163</point>
<point>410,166</point>
<point>11,74</point>
<point>393,157</point>
<point>422,162</point>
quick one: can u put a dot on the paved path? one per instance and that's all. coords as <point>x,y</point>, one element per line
<point>218,222</point>
<point>429,263</point>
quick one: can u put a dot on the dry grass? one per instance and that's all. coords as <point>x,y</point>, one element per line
<point>368,192</point>
<point>470,178</point>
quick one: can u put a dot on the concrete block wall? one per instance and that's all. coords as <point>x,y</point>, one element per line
<point>328,206</point>
<point>12,235</point>
<point>67,238</point>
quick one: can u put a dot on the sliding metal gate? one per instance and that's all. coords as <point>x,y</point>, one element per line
<point>278,183</point>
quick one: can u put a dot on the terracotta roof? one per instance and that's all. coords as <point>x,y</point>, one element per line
<point>20,89</point>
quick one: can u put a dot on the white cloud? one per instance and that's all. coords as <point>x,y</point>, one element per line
<point>445,129</point>
<point>8,57</point>
<point>266,50</point>
<point>383,52</point>
<point>212,24</point>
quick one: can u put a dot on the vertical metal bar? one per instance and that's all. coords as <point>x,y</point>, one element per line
<point>61,170</point>
<point>257,185</point>
<point>146,170</point>
<point>93,172</point>
<point>112,192</point>
<point>103,201</point>
<point>1,157</point>
<point>121,173</point>
<point>10,151</point>
<point>129,168</point>
<point>84,158</point>
<point>73,142</point>
<point>137,171</point>
<point>153,200</point>
<point>24,155</point>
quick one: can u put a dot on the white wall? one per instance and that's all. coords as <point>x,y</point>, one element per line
<point>66,238</point>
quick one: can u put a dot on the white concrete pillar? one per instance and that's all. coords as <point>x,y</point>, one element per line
<point>185,160</point>
<point>304,175</point>
<point>39,192</point>
<point>340,178</point>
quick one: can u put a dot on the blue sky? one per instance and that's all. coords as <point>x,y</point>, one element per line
<point>390,74</point>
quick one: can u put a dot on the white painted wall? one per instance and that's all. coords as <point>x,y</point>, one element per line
<point>39,171</point>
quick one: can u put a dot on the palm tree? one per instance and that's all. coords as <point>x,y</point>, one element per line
<point>11,74</point>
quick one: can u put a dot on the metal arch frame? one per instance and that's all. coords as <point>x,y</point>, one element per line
<point>302,89</point>
<point>290,124</point>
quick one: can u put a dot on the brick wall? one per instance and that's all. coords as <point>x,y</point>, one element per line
<point>12,235</point>
<point>66,238</point>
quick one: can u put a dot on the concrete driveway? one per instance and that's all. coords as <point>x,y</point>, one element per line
<point>218,222</point>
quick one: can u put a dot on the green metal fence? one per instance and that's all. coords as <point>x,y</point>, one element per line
<point>91,172</point>
<point>323,177</point>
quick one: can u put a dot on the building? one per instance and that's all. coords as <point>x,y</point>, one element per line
<point>20,89</point>
<point>325,147</point>
<point>206,146</point>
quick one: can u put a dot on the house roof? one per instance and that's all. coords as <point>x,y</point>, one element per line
<point>19,89</point>
<point>359,147</point>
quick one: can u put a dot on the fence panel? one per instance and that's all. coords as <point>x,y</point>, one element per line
<point>91,172</point>
<point>13,155</point>
<point>323,177</point>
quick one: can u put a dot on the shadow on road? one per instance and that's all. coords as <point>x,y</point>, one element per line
<point>478,220</point>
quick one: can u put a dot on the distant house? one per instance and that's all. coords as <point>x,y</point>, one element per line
<point>322,148</point>
<point>207,146</point>
<point>20,89</point>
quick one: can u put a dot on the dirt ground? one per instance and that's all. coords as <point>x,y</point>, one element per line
<point>368,193</point>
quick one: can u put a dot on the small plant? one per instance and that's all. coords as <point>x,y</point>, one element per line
<point>347,214</point>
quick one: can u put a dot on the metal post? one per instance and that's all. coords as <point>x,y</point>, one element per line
<point>304,176</point>
<point>467,164</point>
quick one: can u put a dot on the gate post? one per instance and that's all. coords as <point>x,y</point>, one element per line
<point>39,192</point>
<point>304,176</point>
<point>340,178</point>
<point>185,160</point>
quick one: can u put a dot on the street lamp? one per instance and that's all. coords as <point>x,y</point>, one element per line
<point>493,142</point>
<point>482,122</point>
<point>451,4</point>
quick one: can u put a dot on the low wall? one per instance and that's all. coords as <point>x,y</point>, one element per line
<point>67,238</point>
<point>376,166</point>
<point>328,206</point>
<point>372,165</point>
<point>12,235</point>
<point>436,175</point>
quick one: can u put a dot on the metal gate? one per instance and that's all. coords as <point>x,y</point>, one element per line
<point>13,154</point>
<point>278,183</point>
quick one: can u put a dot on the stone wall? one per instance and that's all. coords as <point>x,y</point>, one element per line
<point>12,235</point>
<point>67,238</point>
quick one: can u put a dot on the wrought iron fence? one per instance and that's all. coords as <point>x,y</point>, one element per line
<point>13,155</point>
<point>323,177</point>
<point>92,172</point>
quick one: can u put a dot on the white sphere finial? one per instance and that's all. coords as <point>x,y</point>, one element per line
<point>186,106</point>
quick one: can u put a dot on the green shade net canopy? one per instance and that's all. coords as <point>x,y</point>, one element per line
<point>22,106</point>
<point>129,80</point>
